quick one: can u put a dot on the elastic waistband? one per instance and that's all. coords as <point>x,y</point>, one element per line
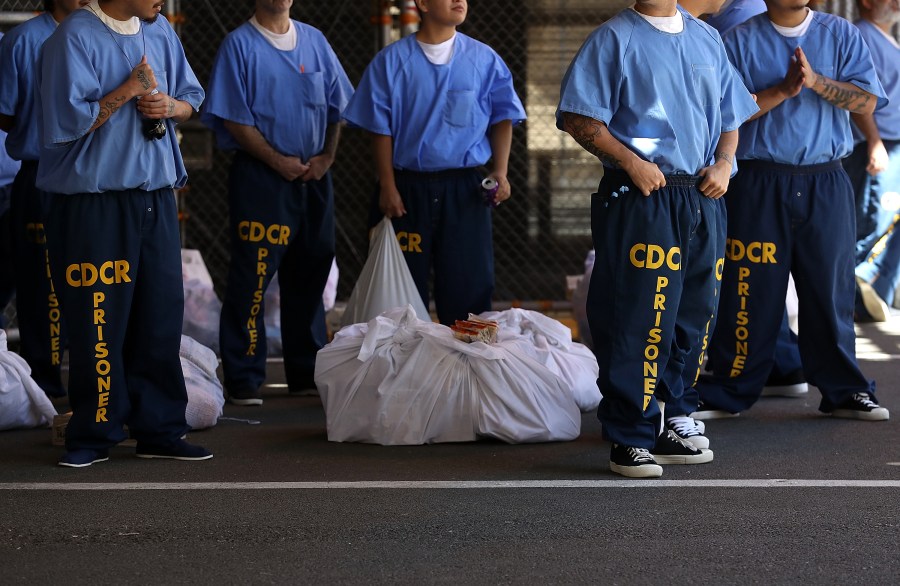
<point>434,175</point>
<point>681,180</point>
<point>788,169</point>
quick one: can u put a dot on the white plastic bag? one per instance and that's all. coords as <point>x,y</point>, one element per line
<point>206,397</point>
<point>579,301</point>
<point>384,282</point>
<point>401,380</point>
<point>23,404</point>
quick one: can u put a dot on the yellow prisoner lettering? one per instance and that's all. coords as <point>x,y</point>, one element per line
<point>86,274</point>
<point>754,252</point>
<point>256,231</point>
<point>653,256</point>
<point>409,241</point>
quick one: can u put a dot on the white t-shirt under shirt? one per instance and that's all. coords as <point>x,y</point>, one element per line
<point>439,54</point>
<point>283,42</point>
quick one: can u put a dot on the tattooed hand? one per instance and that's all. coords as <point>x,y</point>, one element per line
<point>142,79</point>
<point>157,106</point>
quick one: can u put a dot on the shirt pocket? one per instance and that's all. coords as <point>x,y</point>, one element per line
<point>162,84</point>
<point>706,84</point>
<point>311,89</point>
<point>460,108</point>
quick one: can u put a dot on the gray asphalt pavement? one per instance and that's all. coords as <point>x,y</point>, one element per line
<point>792,497</point>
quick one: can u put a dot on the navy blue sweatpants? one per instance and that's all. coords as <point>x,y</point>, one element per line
<point>284,226</point>
<point>652,292</point>
<point>786,219</point>
<point>117,262</point>
<point>41,326</point>
<point>447,227</point>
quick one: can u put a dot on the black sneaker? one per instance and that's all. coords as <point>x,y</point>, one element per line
<point>83,458</point>
<point>671,449</point>
<point>633,462</point>
<point>243,397</point>
<point>689,430</point>
<point>861,406</point>
<point>177,450</point>
<point>792,384</point>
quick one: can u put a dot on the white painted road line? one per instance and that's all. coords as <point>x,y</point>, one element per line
<point>446,485</point>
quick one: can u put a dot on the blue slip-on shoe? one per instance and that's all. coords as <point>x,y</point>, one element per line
<point>177,450</point>
<point>83,457</point>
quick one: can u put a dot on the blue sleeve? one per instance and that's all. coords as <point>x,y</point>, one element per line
<point>592,85</point>
<point>856,66</point>
<point>227,96</point>
<point>737,104</point>
<point>340,91</point>
<point>187,86</point>
<point>69,90</point>
<point>9,76</point>
<point>370,106</point>
<point>505,103</point>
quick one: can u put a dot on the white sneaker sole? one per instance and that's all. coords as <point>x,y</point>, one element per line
<point>244,402</point>
<point>876,306</point>
<point>182,458</point>
<point>796,390</point>
<point>642,471</point>
<point>702,458</point>
<point>85,465</point>
<point>879,414</point>
<point>712,414</point>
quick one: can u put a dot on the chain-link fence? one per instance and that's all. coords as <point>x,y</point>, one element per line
<point>540,236</point>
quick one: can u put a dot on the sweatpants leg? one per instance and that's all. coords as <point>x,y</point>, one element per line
<point>822,265</point>
<point>264,218</point>
<point>41,331</point>
<point>700,325</point>
<point>302,276</point>
<point>643,245</point>
<point>153,371</point>
<point>463,252</point>
<point>116,257</point>
<point>754,285</point>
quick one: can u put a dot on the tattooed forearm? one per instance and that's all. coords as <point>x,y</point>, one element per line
<point>854,100</point>
<point>585,130</point>
<point>107,109</point>
<point>723,156</point>
<point>170,109</point>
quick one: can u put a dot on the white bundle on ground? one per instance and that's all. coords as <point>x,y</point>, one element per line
<point>401,380</point>
<point>205,395</point>
<point>23,404</point>
<point>550,343</point>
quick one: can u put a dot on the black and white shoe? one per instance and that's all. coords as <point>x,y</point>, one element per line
<point>671,449</point>
<point>633,462</point>
<point>861,406</point>
<point>689,430</point>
